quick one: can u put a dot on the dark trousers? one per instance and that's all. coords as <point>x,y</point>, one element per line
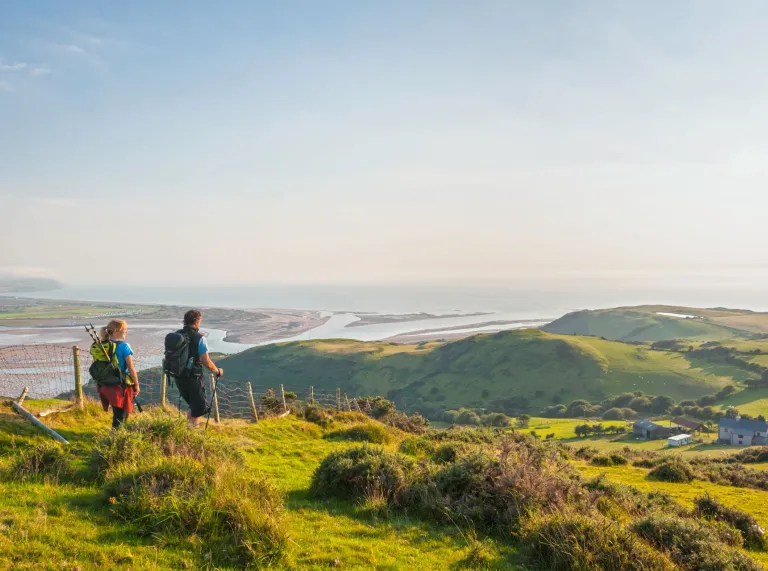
<point>119,415</point>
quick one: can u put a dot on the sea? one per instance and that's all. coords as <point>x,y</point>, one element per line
<point>520,304</point>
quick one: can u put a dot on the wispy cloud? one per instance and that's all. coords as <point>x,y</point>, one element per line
<point>15,66</point>
<point>40,71</point>
<point>71,48</point>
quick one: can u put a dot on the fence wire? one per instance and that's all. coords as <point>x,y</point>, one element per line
<point>48,371</point>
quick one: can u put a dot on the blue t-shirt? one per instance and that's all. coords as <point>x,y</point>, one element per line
<point>122,351</point>
<point>202,349</point>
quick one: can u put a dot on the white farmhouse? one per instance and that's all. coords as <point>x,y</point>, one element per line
<point>742,432</point>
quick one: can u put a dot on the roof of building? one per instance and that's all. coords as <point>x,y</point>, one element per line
<point>690,424</point>
<point>679,437</point>
<point>648,424</point>
<point>744,424</point>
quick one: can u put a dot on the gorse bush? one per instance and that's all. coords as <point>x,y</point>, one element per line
<point>366,432</point>
<point>694,545</point>
<point>353,473</point>
<point>566,542</point>
<point>449,452</point>
<point>602,460</point>
<point>318,415</point>
<point>673,470</point>
<point>754,536</point>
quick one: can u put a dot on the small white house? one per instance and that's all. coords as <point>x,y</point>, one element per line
<point>679,440</point>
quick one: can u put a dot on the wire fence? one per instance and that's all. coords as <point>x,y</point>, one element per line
<point>49,371</point>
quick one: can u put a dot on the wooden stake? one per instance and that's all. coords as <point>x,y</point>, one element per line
<point>349,408</point>
<point>78,379</point>
<point>357,405</point>
<point>163,389</point>
<point>30,417</point>
<point>254,412</point>
<point>215,400</point>
<point>21,398</point>
<point>338,400</point>
<point>311,395</point>
<point>282,394</point>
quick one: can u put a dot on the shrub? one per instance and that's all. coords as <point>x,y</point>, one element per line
<point>449,452</point>
<point>601,460</point>
<point>565,542</point>
<point>373,432</point>
<point>349,417</point>
<point>618,459</point>
<point>752,455</point>
<point>356,472</point>
<point>317,414</point>
<point>754,536</point>
<point>414,423</point>
<point>47,461</point>
<point>417,446</point>
<point>630,500</point>
<point>694,545</point>
<point>468,417</point>
<point>148,438</point>
<point>496,419</point>
<point>379,406</point>
<point>235,517</point>
<point>673,470</point>
<point>614,414</point>
<point>494,492</point>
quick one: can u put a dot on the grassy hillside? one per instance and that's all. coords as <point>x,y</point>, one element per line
<point>60,512</point>
<point>648,324</point>
<point>525,369</point>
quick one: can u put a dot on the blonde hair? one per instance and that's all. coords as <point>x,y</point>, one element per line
<point>114,326</point>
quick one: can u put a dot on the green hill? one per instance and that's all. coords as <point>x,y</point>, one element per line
<point>660,323</point>
<point>508,371</point>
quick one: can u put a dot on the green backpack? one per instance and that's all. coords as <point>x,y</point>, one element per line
<point>105,369</point>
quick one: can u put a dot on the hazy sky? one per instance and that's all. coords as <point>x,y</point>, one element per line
<point>242,142</point>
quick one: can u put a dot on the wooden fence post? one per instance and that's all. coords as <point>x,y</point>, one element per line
<point>254,412</point>
<point>349,408</point>
<point>338,400</point>
<point>78,379</point>
<point>163,389</point>
<point>282,395</point>
<point>311,395</point>
<point>215,400</point>
<point>357,405</point>
<point>21,398</point>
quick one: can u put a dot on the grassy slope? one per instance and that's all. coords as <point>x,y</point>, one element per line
<point>451,375</point>
<point>645,324</point>
<point>754,502</point>
<point>45,526</point>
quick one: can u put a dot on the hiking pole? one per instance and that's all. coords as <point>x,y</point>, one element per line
<point>213,400</point>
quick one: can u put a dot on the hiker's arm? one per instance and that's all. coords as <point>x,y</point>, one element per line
<point>205,360</point>
<point>132,373</point>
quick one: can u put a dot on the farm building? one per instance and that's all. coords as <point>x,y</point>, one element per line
<point>649,430</point>
<point>679,440</point>
<point>742,432</point>
<point>692,425</point>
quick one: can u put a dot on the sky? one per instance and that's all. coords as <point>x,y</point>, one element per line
<point>344,141</point>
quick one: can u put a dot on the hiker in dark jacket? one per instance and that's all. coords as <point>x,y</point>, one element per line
<point>192,386</point>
